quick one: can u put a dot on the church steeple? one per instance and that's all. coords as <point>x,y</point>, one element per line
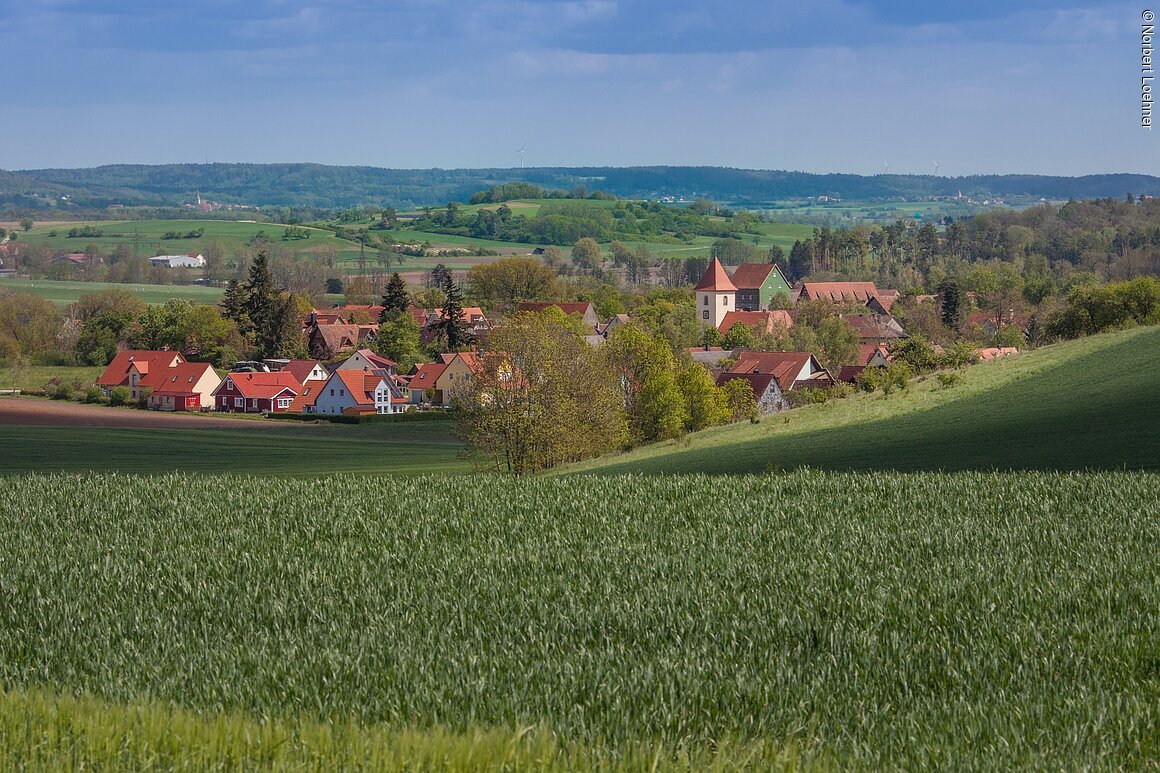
<point>716,295</point>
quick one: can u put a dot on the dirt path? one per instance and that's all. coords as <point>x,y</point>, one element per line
<point>35,411</point>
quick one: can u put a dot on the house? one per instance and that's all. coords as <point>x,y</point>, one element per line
<point>455,378</point>
<point>349,312</point>
<point>328,342</point>
<point>586,311</point>
<point>716,295</point>
<point>849,374</point>
<point>710,357</point>
<point>357,392</point>
<point>257,392</point>
<point>875,328</point>
<point>873,354</point>
<point>881,303</point>
<point>989,322</point>
<point>304,401</point>
<point>760,321</point>
<point>422,383</point>
<point>620,320</point>
<point>129,367</point>
<point>187,386</point>
<point>302,370</point>
<point>178,261</point>
<point>757,284</point>
<point>368,362</point>
<point>772,374</point>
<point>837,291</point>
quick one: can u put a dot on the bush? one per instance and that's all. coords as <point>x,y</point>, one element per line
<point>948,380</point>
<point>897,377</point>
<point>959,354</point>
<point>871,379</point>
<point>119,396</point>
<point>60,392</point>
<point>94,394</point>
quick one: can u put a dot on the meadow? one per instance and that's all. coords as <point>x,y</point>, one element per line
<point>64,292</point>
<point>885,620</point>
<point>1088,404</point>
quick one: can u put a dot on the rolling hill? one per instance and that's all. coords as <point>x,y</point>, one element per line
<point>1090,404</point>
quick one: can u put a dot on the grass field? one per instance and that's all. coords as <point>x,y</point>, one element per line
<point>869,621</point>
<point>63,292</point>
<point>1087,404</point>
<point>36,376</point>
<point>307,450</point>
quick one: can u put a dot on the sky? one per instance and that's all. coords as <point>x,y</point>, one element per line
<point>976,86</point>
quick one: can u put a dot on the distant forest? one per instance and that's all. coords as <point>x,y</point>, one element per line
<point>343,187</point>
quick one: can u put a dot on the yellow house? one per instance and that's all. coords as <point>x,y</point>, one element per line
<point>456,377</point>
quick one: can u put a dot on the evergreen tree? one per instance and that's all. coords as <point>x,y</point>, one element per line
<point>952,304</point>
<point>395,298</point>
<point>452,325</point>
<point>263,306</point>
<point>233,306</point>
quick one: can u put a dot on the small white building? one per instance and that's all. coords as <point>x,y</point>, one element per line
<point>178,261</point>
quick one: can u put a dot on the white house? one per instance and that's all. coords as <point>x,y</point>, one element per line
<point>178,261</point>
<point>355,392</point>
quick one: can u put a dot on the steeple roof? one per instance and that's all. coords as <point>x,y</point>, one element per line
<point>715,279</point>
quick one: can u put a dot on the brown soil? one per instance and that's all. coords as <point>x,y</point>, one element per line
<point>36,411</point>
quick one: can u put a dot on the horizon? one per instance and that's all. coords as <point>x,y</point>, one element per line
<point>1048,87</point>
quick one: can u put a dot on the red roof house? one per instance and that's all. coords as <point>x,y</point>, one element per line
<point>257,392</point>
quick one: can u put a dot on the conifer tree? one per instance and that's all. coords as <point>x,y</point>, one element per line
<point>395,298</point>
<point>452,324</point>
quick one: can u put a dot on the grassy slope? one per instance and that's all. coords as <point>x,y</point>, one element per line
<point>36,376</point>
<point>292,451</point>
<point>1087,404</point>
<point>64,292</point>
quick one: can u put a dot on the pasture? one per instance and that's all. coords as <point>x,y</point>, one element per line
<point>64,292</point>
<point>1089,404</point>
<point>859,620</point>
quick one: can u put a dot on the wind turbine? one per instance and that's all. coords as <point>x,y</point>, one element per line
<point>520,150</point>
<point>886,167</point>
<point>936,169</point>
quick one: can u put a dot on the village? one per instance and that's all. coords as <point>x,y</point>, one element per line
<point>346,377</point>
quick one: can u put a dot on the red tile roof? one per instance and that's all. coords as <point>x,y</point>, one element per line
<point>997,351</point>
<point>264,385</point>
<point>116,373</point>
<point>872,327</point>
<point>759,382</point>
<point>838,291</point>
<point>715,279</point>
<point>300,369</point>
<point>306,397</point>
<point>177,381</point>
<point>867,350</point>
<point>850,373</point>
<point>784,366</point>
<point>764,321</point>
<point>427,374</point>
<point>750,276</point>
<point>580,308</point>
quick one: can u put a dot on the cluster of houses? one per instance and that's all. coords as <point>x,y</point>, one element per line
<point>358,381</point>
<point>362,384</point>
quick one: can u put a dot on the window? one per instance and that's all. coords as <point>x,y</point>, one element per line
<point>724,300</point>
<point>284,402</point>
<point>704,315</point>
<point>239,402</point>
<point>706,303</point>
<point>341,393</point>
<point>332,393</point>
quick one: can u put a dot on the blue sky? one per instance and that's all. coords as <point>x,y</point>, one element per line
<point>828,86</point>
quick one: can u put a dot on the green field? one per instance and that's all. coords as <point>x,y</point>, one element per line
<point>63,292</point>
<point>867,621</point>
<point>254,448</point>
<point>1087,404</point>
<point>36,376</point>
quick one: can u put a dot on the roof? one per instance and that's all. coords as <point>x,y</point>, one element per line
<point>715,279</point>
<point>839,291</point>
<point>426,375</point>
<point>784,366</point>
<point>373,310</point>
<point>361,385</point>
<point>759,382</point>
<point>874,326</point>
<point>763,320</point>
<point>750,276</point>
<point>265,386</point>
<point>580,308</point>
<point>178,380</point>
<point>300,369</point>
<point>866,352</point>
<point>339,337</point>
<point>116,373</point>
<point>307,395</point>
<point>850,373</point>
<point>997,351</point>
<point>376,361</point>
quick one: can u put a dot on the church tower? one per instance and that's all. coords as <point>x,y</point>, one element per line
<point>716,295</point>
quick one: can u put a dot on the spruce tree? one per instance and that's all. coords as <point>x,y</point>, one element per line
<point>952,304</point>
<point>262,305</point>
<point>452,324</point>
<point>395,298</point>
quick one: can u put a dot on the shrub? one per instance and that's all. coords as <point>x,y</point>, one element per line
<point>61,392</point>
<point>94,394</point>
<point>897,377</point>
<point>948,380</point>
<point>871,379</point>
<point>119,396</point>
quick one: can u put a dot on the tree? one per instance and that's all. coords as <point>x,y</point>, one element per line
<point>399,340</point>
<point>539,398</point>
<point>26,224</point>
<point>740,399</point>
<point>504,283</point>
<point>776,254</point>
<point>838,341</point>
<point>358,291</point>
<point>739,337</point>
<point>395,298</point>
<point>28,325</point>
<point>705,404</point>
<point>645,366</point>
<point>621,254</point>
<point>952,304</point>
<point>586,254</point>
<point>452,324</point>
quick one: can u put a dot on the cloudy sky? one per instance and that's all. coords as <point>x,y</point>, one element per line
<point>980,86</point>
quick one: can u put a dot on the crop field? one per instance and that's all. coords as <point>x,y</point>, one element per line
<point>36,376</point>
<point>881,620</point>
<point>64,292</point>
<point>232,235</point>
<point>253,447</point>
<point>1089,404</point>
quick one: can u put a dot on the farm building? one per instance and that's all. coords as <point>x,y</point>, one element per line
<point>772,374</point>
<point>757,284</point>
<point>178,261</point>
